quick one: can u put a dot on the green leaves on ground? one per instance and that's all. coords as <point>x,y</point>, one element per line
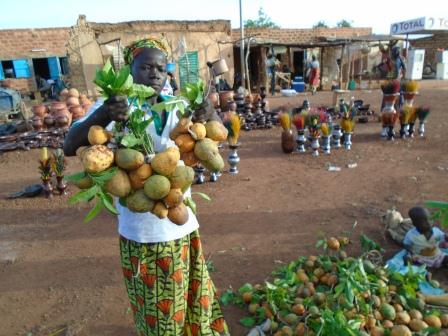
<point>441,213</point>
<point>103,199</point>
<point>368,244</point>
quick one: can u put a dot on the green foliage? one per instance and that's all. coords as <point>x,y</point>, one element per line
<point>138,138</point>
<point>368,244</point>
<point>103,199</point>
<point>441,213</point>
<point>263,21</point>
<point>335,323</point>
<point>320,24</point>
<point>344,23</point>
<point>194,94</point>
<point>120,83</point>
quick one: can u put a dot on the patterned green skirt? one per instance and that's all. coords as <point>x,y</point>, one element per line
<point>170,290</point>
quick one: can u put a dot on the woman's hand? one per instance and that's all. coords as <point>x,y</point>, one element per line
<point>116,108</point>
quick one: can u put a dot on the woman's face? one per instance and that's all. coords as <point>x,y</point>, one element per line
<point>149,68</point>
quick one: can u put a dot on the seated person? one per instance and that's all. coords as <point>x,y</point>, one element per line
<point>424,241</point>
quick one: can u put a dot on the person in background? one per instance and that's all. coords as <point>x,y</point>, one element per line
<point>398,64</point>
<point>424,241</point>
<point>271,64</point>
<point>314,74</point>
<point>172,81</point>
<point>164,268</point>
<point>43,87</point>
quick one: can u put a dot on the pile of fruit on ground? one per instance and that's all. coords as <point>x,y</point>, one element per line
<point>333,294</point>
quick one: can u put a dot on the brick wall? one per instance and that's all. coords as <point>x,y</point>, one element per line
<point>431,44</point>
<point>296,36</point>
<point>20,43</point>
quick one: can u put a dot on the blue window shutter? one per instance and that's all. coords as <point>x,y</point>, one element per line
<point>2,75</point>
<point>188,68</point>
<point>55,67</point>
<point>21,68</point>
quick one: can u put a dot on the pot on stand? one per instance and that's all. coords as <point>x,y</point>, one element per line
<point>199,171</point>
<point>336,136</point>
<point>348,140</point>
<point>326,144</point>
<point>233,158</point>
<point>47,187</point>
<point>389,116</point>
<point>315,145</point>
<point>301,141</point>
<point>61,186</point>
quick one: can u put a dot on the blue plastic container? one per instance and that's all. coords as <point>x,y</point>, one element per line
<point>298,86</point>
<point>170,67</point>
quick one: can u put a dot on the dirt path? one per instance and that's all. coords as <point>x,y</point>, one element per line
<point>57,271</point>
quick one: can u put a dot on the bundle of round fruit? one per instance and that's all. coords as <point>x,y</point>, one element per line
<point>198,143</point>
<point>157,186</point>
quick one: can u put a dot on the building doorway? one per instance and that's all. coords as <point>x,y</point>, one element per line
<point>298,58</point>
<point>41,67</point>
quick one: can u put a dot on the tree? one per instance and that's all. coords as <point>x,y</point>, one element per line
<point>344,23</point>
<point>320,24</point>
<point>263,21</point>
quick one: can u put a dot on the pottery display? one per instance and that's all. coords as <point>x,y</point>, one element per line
<point>288,141</point>
<point>39,110</point>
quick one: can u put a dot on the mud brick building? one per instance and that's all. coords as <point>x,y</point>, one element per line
<point>75,53</point>
<point>25,53</point>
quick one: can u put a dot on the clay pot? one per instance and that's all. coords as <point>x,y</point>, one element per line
<point>63,118</point>
<point>214,98</point>
<point>55,106</point>
<point>39,110</point>
<point>64,93</point>
<point>249,99</point>
<point>75,109</point>
<point>72,101</point>
<point>62,121</point>
<point>288,141</point>
<point>224,97</point>
<point>86,107</point>
<point>73,93</point>
<point>49,120</point>
<point>231,106</point>
<point>38,123</point>
<point>78,114</point>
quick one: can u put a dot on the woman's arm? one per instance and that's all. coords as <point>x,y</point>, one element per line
<point>113,109</point>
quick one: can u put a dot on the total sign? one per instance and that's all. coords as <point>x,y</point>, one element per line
<point>419,25</point>
<point>436,23</point>
<point>409,26</point>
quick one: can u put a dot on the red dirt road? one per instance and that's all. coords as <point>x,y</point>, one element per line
<point>57,271</point>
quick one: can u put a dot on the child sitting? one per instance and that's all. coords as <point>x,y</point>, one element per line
<point>424,241</point>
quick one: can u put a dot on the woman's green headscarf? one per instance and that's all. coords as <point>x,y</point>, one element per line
<point>132,51</point>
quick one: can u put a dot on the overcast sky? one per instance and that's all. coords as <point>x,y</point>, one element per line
<point>378,14</point>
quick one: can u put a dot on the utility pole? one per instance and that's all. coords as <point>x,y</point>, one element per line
<point>243,74</point>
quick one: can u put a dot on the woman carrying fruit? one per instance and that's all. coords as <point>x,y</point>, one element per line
<point>166,277</point>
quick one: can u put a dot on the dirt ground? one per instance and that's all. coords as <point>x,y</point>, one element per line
<point>56,271</point>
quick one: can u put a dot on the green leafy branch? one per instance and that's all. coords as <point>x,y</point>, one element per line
<point>188,201</point>
<point>194,93</point>
<point>96,191</point>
